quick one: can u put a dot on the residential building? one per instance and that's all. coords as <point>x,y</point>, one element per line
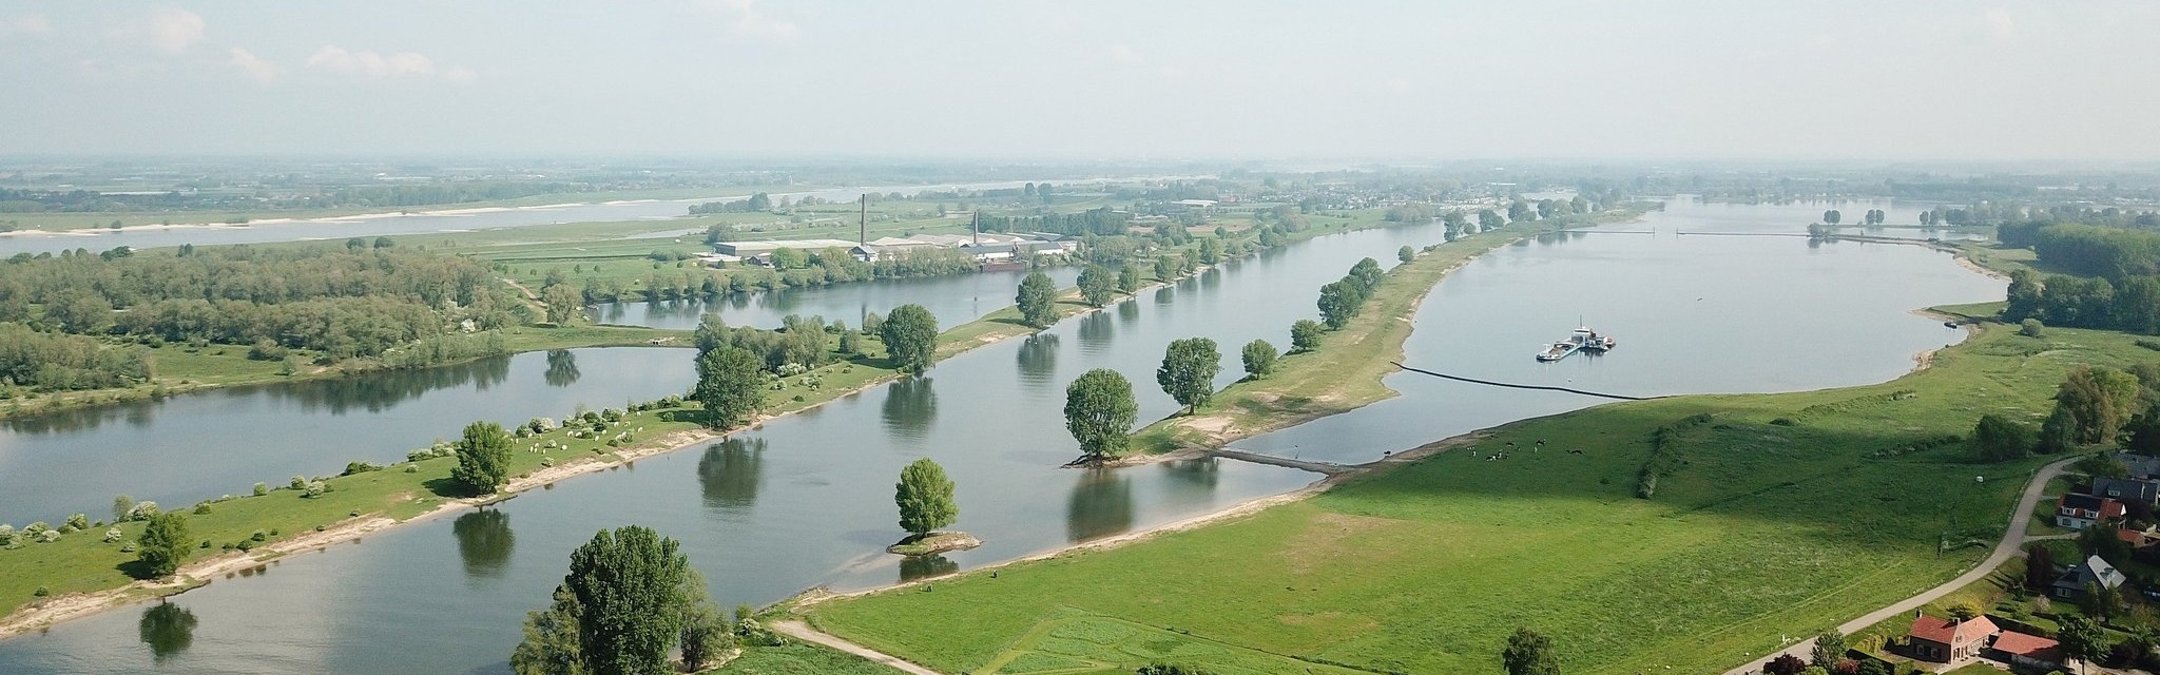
<point>2078,512</point>
<point>2027,652</point>
<point>2093,571</point>
<point>2128,490</point>
<point>1944,640</point>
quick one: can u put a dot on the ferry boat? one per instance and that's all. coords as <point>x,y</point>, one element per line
<point>1583,339</point>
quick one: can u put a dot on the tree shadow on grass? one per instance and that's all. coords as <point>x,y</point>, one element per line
<point>136,569</point>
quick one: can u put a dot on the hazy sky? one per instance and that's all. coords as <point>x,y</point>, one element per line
<point>1885,79</point>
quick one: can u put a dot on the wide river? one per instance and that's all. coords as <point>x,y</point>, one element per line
<point>436,219</point>
<point>806,500</point>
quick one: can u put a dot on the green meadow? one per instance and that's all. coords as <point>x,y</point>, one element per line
<point>1779,515</point>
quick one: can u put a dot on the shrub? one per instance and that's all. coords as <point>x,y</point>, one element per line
<point>352,468</point>
<point>41,592</point>
<point>259,535</point>
<point>266,350</point>
<point>143,511</point>
<point>244,545</point>
<point>298,483</point>
<point>2030,328</point>
<point>35,529</point>
<point>412,469</point>
<point>261,489</point>
<point>49,536</point>
<point>315,489</point>
<point>202,509</point>
<point>113,535</point>
<point>78,521</point>
<point>1783,421</point>
<point>127,548</point>
<point>7,535</point>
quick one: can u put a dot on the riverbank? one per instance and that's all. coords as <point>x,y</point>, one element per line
<point>181,369</point>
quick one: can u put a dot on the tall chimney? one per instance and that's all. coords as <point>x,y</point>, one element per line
<point>975,228</point>
<point>862,219</point>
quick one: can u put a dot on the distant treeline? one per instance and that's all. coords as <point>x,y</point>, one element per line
<point>344,302</point>
<point>51,361</point>
<point>367,196</point>
<point>1101,221</point>
<point>2119,289</point>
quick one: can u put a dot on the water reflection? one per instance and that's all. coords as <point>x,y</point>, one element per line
<point>373,392</point>
<point>1095,332</point>
<point>1201,473</point>
<point>1101,505</point>
<point>1165,295</point>
<point>1128,312</point>
<point>562,370</point>
<point>910,406</point>
<point>1038,358</point>
<point>925,566</point>
<point>168,630</point>
<point>484,542</point>
<point>729,474</point>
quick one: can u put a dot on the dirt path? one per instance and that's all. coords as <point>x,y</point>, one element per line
<point>803,631</point>
<point>2012,542</point>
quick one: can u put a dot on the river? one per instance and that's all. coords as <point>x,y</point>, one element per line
<point>203,444</point>
<point>806,500</point>
<point>439,219</point>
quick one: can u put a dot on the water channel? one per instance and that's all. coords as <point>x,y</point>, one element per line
<point>806,500</point>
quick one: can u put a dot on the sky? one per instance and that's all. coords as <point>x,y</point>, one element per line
<point>1086,79</point>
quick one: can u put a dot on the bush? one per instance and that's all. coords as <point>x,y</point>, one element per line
<point>78,521</point>
<point>202,509</point>
<point>352,468</point>
<point>259,535</point>
<point>143,511</point>
<point>41,592</point>
<point>409,468</point>
<point>49,536</point>
<point>2030,328</point>
<point>314,489</point>
<point>261,489</point>
<point>244,546</point>
<point>298,483</point>
<point>113,535</point>
<point>7,535</point>
<point>266,350</point>
<point>127,548</point>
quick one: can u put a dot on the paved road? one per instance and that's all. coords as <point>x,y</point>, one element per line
<point>803,631</point>
<point>2013,539</point>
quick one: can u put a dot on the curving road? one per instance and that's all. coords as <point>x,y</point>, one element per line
<point>803,631</point>
<point>2012,542</point>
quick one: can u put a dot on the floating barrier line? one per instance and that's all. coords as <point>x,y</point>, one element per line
<point>1490,383</point>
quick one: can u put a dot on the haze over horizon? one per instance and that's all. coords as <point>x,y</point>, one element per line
<point>1947,80</point>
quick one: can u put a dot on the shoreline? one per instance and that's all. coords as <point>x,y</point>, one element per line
<point>60,609</point>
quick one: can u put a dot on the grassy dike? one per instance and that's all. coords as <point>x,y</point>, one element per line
<point>1342,375</point>
<point>1783,514</point>
<point>81,573</point>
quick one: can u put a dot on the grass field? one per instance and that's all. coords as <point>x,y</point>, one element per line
<point>1765,530</point>
<point>798,659</point>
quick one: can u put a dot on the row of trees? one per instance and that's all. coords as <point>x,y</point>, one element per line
<point>48,361</point>
<point>1343,300</point>
<point>2132,305</point>
<point>735,364</point>
<point>1102,221</point>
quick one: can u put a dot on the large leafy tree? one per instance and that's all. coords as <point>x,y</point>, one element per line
<point>2081,638</point>
<point>910,334</point>
<point>627,588</point>
<point>1529,653</point>
<point>1188,371</point>
<point>1037,300</point>
<point>925,497</point>
<point>164,544</point>
<point>730,386</point>
<point>2091,406</point>
<point>2000,439</point>
<point>562,302</point>
<point>483,456</point>
<point>1099,411</point>
<point>1259,358</point>
<point>1097,285</point>
<point>1304,336</point>
<point>1339,302</point>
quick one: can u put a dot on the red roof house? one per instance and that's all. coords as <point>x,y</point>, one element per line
<point>1947,640</point>
<point>2028,651</point>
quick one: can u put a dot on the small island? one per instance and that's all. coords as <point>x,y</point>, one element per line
<point>934,543</point>
<point>925,497</point>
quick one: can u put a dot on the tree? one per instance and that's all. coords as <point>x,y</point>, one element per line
<point>1338,303</point>
<point>705,635</point>
<point>1128,279</point>
<point>2000,439</point>
<point>626,591</point>
<point>1406,254</point>
<point>1304,336</point>
<point>562,302</point>
<point>1529,653</point>
<point>2081,638</point>
<point>550,646</point>
<point>2144,432</point>
<point>2039,568</point>
<point>1037,300</point>
<point>1832,216</point>
<point>483,458</point>
<point>1165,268</point>
<point>164,544</point>
<point>121,506</point>
<point>1097,285</point>
<point>925,497</point>
<point>910,334</point>
<point>2031,327</point>
<point>1099,411</point>
<point>2092,406</point>
<point>730,386</point>
<point>1785,664</point>
<point>1171,669</point>
<point>1259,357</point>
<point>1188,371</point>
<point>1829,649</point>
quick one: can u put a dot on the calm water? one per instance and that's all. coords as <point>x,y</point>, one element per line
<point>954,300</point>
<point>437,220</point>
<point>1693,314</point>
<point>806,500</point>
<point>200,445</point>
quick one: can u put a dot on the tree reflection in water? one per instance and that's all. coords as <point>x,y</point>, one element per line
<point>1038,359</point>
<point>168,630</point>
<point>562,370</point>
<point>910,406</point>
<point>729,474</point>
<point>925,566</point>
<point>1100,505</point>
<point>484,542</point>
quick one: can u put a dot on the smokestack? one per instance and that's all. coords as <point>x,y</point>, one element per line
<point>862,219</point>
<point>975,228</point>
